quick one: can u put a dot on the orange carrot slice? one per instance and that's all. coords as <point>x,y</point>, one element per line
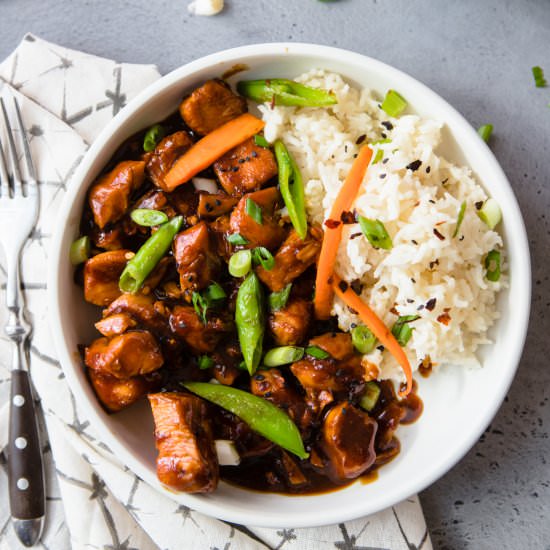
<point>333,233</point>
<point>375,324</point>
<point>210,148</point>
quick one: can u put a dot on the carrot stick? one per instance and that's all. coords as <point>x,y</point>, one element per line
<point>375,324</point>
<point>210,148</point>
<point>333,233</point>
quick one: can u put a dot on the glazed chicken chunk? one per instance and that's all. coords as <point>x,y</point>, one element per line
<point>289,325</point>
<point>101,275</point>
<point>116,393</point>
<point>187,459</point>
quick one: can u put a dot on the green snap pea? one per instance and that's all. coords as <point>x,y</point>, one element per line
<point>80,250</point>
<point>292,188</point>
<point>148,256</point>
<point>261,415</point>
<point>249,318</point>
<point>152,137</point>
<point>281,91</point>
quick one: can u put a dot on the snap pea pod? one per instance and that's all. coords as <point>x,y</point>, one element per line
<point>148,256</point>
<point>249,318</point>
<point>261,415</point>
<point>282,91</point>
<point>292,188</point>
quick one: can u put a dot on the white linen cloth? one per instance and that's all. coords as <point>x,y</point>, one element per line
<point>66,98</point>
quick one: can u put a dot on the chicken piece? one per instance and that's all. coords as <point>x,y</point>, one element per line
<point>108,239</point>
<point>115,324</point>
<point>101,275</point>
<point>116,394</point>
<point>185,200</point>
<point>109,196</point>
<point>268,233</point>
<point>292,259</point>
<point>219,229</point>
<point>348,442</point>
<point>165,154</point>
<point>201,338</point>
<point>211,106</point>
<point>327,374</point>
<point>187,459</point>
<point>292,472</point>
<point>289,325</point>
<point>245,168</point>
<point>196,260</point>
<point>214,205</point>
<point>337,344</point>
<point>125,355</point>
<point>272,386</point>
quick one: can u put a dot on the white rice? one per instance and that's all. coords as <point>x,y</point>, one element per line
<point>420,266</point>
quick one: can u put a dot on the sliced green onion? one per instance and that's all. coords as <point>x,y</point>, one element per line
<point>370,397</point>
<point>402,330</point>
<point>317,352</point>
<point>378,156</point>
<point>260,141</point>
<point>80,250</point>
<point>375,232</point>
<point>460,218</point>
<point>538,75</point>
<point>205,362</point>
<point>393,104</point>
<point>283,355</point>
<point>214,294</point>
<point>381,141</point>
<point>485,132</point>
<point>254,211</point>
<point>240,263</point>
<point>236,239</point>
<point>363,339</point>
<point>152,137</point>
<point>262,256</point>
<point>490,213</point>
<point>278,300</point>
<point>148,217</point>
<point>280,91</point>
<point>492,265</point>
<point>201,306</point>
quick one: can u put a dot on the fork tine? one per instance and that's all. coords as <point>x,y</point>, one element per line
<point>17,188</point>
<point>25,140</point>
<point>4,180</point>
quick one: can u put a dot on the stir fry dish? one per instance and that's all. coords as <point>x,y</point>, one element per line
<point>217,293</point>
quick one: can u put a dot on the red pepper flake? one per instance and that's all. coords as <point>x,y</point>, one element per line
<point>351,310</point>
<point>332,224</point>
<point>356,286</point>
<point>444,318</point>
<point>440,223</point>
<point>430,304</point>
<point>425,368</point>
<point>434,263</point>
<point>438,235</point>
<point>355,235</point>
<point>394,311</point>
<point>348,217</point>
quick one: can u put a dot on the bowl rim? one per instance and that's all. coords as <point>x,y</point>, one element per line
<point>312,517</point>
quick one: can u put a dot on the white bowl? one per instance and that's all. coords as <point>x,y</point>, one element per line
<point>458,403</point>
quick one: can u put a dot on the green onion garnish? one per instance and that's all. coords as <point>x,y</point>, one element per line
<point>80,250</point>
<point>147,217</point>
<point>214,294</point>
<point>152,137</point>
<point>236,239</point>
<point>363,339</point>
<point>460,218</point>
<point>402,330</point>
<point>240,263</point>
<point>205,362</point>
<point>262,256</point>
<point>393,104</point>
<point>490,213</point>
<point>485,132</point>
<point>538,75</point>
<point>260,141</point>
<point>317,352</point>
<point>370,397</point>
<point>375,232</point>
<point>278,300</point>
<point>378,157</point>
<point>283,355</point>
<point>201,306</point>
<point>254,211</point>
<point>492,265</point>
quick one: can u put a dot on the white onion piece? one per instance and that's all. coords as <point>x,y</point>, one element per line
<point>205,184</point>
<point>227,452</point>
<point>213,381</point>
<point>205,7</point>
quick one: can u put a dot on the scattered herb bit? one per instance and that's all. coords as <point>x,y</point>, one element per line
<point>393,104</point>
<point>214,294</point>
<point>254,211</point>
<point>236,239</point>
<point>490,213</point>
<point>378,156</point>
<point>460,218</point>
<point>263,256</point>
<point>332,224</point>
<point>363,339</point>
<point>485,132</point>
<point>205,362</point>
<point>492,265</point>
<point>414,165</point>
<point>147,217</point>
<point>444,318</point>
<point>375,232</point>
<point>278,300</point>
<point>260,141</point>
<point>402,330</point>
<point>317,352</point>
<point>80,250</point>
<point>201,306</point>
<point>538,75</point>
<point>152,137</point>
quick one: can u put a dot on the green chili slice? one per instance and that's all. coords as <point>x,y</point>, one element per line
<point>375,232</point>
<point>278,300</point>
<point>261,415</point>
<point>317,352</point>
<point>492,265</point>
<point>148,217</point>
<point>236,239</point>
<point>249,318</point>
<point>292,188</point>
<point>152,137</point>
<point>254,211</point>
<point>80,250</point>
<point>261,255</point>
<point>460,218</point>
<point>204,362</point>
<point>148,256</point>
<point>363,339</point>
<point>260,141</point>
<point>280,91</point>
<point>240,263</point>
<point>394,104</point>
<point>283,355</point>
<point>370,397</point>
<point>402,330</point>
<point>485,132</point>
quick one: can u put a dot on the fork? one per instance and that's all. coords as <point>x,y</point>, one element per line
<point>18,215</point>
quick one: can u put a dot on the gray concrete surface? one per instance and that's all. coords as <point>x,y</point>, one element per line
<point>478,55</point>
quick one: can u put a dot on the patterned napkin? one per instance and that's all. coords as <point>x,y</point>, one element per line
<point>94,501</point>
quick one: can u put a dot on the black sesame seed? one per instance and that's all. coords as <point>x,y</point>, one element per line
<point>428,169</point>
<point>420,307</point>
<point>413,280</point>
<point>478,205</point>
<point>432,201</point>
<point>430,304</point>
<point>343,286</point>
<point>384,161</point>
<point>353,325</point>
<point>208,207</point>
<point>409,301</point>
<point>218,202</point>
<point>235,168</point>
<point>382,176</point>
<point>254,154</point>
<point>387,124</point>
<point>414,242</point>
<point>241,161</point>
<point>360,139</point>
<point>414,165</point>
<point>259,377</point>
<point>267,394</point>
<point>384,135</point>
<point>380,348</point>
